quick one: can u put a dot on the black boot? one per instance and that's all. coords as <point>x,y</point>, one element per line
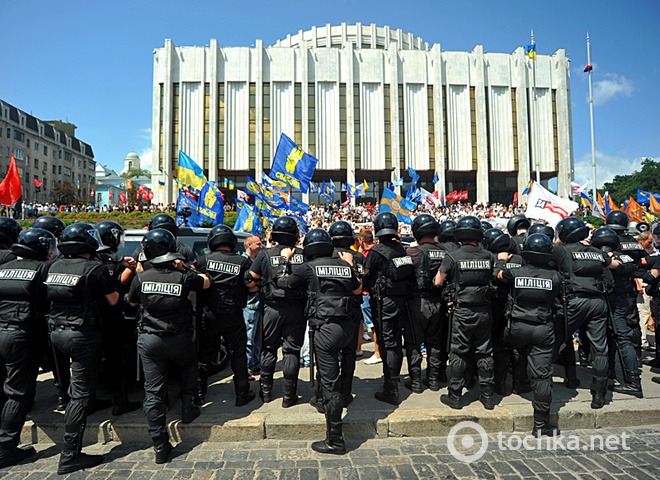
<point>121,404</point>
<point>486,398</point>
<point>163,449</point>
<point>598,388</point>
<point>500,387</point>
<point>568,360</point>
<point>452,399</point>
<point>334,442</point>
<point>346,388</point>
<point>542,427</point>
<point>243,392</point>
<point>289,392</point>
<point>390,392</point>
<point>14,456</point>
<point>265,386</point>
<point>62,402</point>
<point>317,403</point>
<point>202,388</point>
<point>632,387</point>
<point>189,411</point>
<point>72,461</point>
<point>432,379</point>
<point>414,383</point>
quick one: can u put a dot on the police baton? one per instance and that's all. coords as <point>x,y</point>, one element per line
<point>312,352</point>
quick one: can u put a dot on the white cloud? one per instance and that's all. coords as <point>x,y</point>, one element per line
<point>144,133</point>
<point>145,158</point>
<point>612,86</point>
<point>607,166</point>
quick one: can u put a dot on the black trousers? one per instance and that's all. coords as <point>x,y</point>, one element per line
<point>429,318</point>
<point>83,347</point>
<point>228,324</point>
<point>389,319</point>
<point>19,351</point>
<point>155,352</point>
<point>348,354</point>
<point>283,325</point>
<point>535,342</point>
<point>471,328</point>
<point>620,308</point>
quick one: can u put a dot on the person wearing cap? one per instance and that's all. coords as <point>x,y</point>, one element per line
<point>78,288</point>
<point>165,332</point>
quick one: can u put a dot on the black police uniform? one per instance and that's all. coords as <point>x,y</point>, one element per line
<point>331,306</point>
<point>23,309</point>
<point>182,248</point>
<point>470,269</point>
<point>534,290</point>
<point>390,279</point>
<point>76,289</point>
<point>429,316</point>
<point>582,269</point>
<point>283,321</point>
<point>165,335</point>
<point>6,256</point>
<point>223,316</point>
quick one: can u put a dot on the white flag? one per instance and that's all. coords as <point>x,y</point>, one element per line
<point>427,199</point>
<point>242,196</point>
<point>549,207</point>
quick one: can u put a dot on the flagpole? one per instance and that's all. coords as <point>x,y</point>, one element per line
<point>591,112</point>
<point>534,150</point>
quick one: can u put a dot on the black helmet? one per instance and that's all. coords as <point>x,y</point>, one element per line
<point>486,225</point>
<point>542,228</point>
<point>537,249</point>
<point>571,230</point>
<point>317,243</point>
<point>605,237</point>
<point>166,221</point>
<point>447,229</point>
<point>468,229</point>
<point>112,235</point>
<point>386,225</point>
<point>53,224</point>
<point>79,238</point>
<point>36,243</point>
<point>341,234</point>
<point>617,220</point>
<point>495,240</point>
<point>222,235</point>
<point>10,229</point>
<point>425,225</point>
<point>285,231</point>
<point>159,246</point>
<point>516,222</point>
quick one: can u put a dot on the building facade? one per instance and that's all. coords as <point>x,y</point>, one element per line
<point>368,102</point>
<point>47,151</point>
<point>109,184</point>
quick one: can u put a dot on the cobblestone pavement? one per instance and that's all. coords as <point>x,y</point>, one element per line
<point>406,458</point>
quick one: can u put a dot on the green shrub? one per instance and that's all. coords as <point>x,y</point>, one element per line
<point>595,221</point>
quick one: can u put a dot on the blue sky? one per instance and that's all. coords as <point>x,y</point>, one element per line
<point>91,62</point>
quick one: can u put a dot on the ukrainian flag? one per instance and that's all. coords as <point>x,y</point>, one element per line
<point>530,51</point>
<point>161,184</point>
<point>292,166</point>
<point>528,188</point>
<point>391,202</point>
<point>247,221</point>
<point>190,174</point>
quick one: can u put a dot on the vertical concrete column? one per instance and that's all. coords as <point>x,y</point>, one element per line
<point>438,116</point>
<point>259,53</point>
<point>394,114</point>
<point>213,107</point>
<point>304,94</point>
<point>348,57</point>
<point>562,83</point>
<point>519,81</point>
<point>479,79</point>
<point>168,57</point>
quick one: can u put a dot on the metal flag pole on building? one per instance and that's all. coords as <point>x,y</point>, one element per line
<point>535,150</point>
<point>591,112</point>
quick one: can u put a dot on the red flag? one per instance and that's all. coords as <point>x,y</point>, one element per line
<point>588,68</point>
<point>92,193</point>
<point>122,197</point>
<point>137,195</point>
<point>110,195</point>
<point>515,199</point>
<point>141,187</point>
<point>37,183</point>
<point>151,195</point>
<point>463,195</point>
<point>10,188</point>
<point>452,196</point>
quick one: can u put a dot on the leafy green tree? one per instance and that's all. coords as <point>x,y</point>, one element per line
<point>624,186</point>
<point>65,193</point>
<point>136,172</point>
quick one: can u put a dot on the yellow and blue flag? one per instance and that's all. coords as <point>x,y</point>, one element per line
<point>190,174</point>
<point>530,51</point>
<point>293,166</point>
<point>188,202</point>
<point>586,199</point>
<point>231,184</point>
<point>210,206</point>
<point>247,221</point>
<point>391,202</point>
<point>644,197</point>
<point>161,184</point>
<point>313,188</point>
<point>253,187</point>
<point>528,188</point>
<point>298,205</point>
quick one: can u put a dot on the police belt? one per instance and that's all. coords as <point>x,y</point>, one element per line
<point>12,326</point>
<point>585,295</point>
<point>74,328</point>
<point>165,334</point>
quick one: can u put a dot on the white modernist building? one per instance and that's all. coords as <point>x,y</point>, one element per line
<point>368,102</point>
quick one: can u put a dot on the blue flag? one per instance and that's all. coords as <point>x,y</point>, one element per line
<point>240,203</point>
<point>643,197</point>
<point>391,202</point>
<point>528,188</point>
<point>302,223</point>
<point>298,205</point>
<point>313,188</point>
<point>211,207</point>
<point>331,188</point>
<point>293,166</point>
<point>252,187</point>
<point>247,221</point>
<point>414,175</point>
<point>187,201</point>
<point>436,178</point>
<point>189,173</point>
<point>398,183</point>
<point>343,187</point>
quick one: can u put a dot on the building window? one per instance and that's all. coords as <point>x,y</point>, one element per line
<point>431,129</point>
<point>60,154</point>
<point>221,126</point>
<point>388,127</point>
<point>160,129</point>
<point>45,150</point>
<point>36,163</point>
<point>45,167</point>
<point>18,154</point>
<point>253,126</point>
<point>67,156</point>
<point>175,127</point>
<point>67,171</point>
<point>60,170</point>
<point>311,117</point>
<point>207,110</point>
<point>36,146</point>
<point>20,136</point>
<point>55,154</point>
<point>265,163</point>
<point>342,126</point>
<point>356,126</point>
<point>554,128</point>
<point>8,132</point>
<point>27,143</point>
<point>297,113</point>
<point>514,118</point>
<point>473,122</point>
<point>55,169</point>
<point>402,137</point>
<point>85,164</point>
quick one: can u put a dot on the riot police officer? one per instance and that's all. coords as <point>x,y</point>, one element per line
<point>223,309</point>
<point>341,234</point>
<point>23,309</point>
<point>546,230</point>
<point>621,294</point>
<point>118,334</point>
<point>517,227</point>
<point>496,242</point>
<point>534,288</point>
<point>166,221</point>
<point>10,229</point>
<point>165,332</point>
<point>581,266</point>
<point>332,287</point>
<point>446,235</point>
<point>78,288</point>
<point>283,319</point>
<point>426,303</point>
<point>389,277</point>
<point>53,224</point>
<point>470,269</point>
